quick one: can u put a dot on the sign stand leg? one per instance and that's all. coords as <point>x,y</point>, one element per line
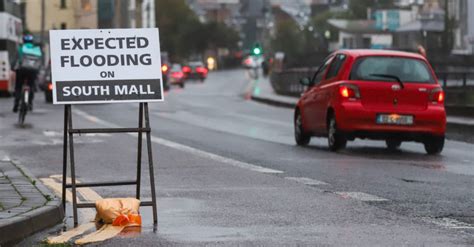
<point>73,169</point>
<point>139,149</point>
<point>66,118</point>
<point>150,164</point>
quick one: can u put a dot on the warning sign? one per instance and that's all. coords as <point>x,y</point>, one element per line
<point>106,66</point>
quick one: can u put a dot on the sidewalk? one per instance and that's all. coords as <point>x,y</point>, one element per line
<point>26,206</point>
<point>263,92</point>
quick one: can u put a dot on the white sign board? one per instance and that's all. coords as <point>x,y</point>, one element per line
<point>106,66</point>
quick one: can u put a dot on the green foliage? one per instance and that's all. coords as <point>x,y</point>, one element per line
<point>321,25</point>
<point>358,8</point>
<point>182,34</point>
<point>288,39</point>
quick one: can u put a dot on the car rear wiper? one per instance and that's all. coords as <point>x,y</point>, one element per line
<point>390,77</point>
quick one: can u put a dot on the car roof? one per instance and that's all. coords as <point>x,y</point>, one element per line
<point>375,52</point>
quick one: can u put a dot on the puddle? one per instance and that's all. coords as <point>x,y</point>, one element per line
<point>180,219</point>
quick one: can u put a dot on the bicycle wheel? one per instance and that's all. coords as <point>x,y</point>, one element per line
<point>23,109</point>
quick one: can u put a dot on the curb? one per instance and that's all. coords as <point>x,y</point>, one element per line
<point>454,110</point>
<point>15,229</point>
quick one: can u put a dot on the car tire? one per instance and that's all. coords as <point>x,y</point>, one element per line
<point>301,137</point>
<point>336,140</point>
<point>393,144</point>
<point>181,85</point>
<point>434,144</point>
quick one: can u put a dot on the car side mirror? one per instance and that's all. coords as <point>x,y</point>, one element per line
<point>305,81</point>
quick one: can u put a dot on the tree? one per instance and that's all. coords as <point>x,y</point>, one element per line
<point>183,35</point>
<point>358,8</point>
<point>174,19</point>
<point>288,39</point>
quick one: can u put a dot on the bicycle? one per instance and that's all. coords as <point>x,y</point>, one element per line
<point>24,103</point>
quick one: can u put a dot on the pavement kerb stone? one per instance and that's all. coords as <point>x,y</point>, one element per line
<point>40,186</point>
<point>273,101</point>
<point>14,229</point>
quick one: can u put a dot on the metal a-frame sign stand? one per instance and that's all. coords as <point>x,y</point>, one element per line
<point>69,133</point>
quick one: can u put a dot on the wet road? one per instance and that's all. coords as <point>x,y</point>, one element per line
<point>228,172</point>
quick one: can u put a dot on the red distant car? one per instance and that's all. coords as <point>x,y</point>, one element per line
<point>195,70</point>
<point>176,75</point>
<point>372,94</point>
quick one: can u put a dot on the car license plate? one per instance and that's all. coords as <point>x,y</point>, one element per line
<point>394,119</point>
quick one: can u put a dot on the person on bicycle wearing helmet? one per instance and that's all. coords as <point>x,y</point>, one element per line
<point>27,67</point>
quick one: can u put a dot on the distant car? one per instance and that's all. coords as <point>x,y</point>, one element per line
<point>43,80</point>
<point>176,75</point>
<point>164,72</point>
<point>195,70</point>
<point>165,65</point>
<point>373,94</point>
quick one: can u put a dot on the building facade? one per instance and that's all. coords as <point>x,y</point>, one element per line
<point>60,14</point>
<point>462,12</point>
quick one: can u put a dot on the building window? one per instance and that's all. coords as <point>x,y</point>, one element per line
<point>63,25</point>
<point>63,4</point>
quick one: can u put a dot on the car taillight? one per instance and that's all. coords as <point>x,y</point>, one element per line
<point>177,74</point>
<point>186,69</point>
<point>164,68</point>
<point>349,91</point>
<point>437,96</point>
<point>201,70</point>
<point>50,86</point>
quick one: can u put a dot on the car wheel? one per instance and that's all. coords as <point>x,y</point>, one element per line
<point>393,144</point>
<point>434,144</point>
<point>301,137</point>
<point>336,140</point>
<point>181,85</point>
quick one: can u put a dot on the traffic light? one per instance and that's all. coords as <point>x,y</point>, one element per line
<point>257,50</point>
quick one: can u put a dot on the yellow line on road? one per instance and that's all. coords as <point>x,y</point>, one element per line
<point>106,232</point>
<point>66,236</point>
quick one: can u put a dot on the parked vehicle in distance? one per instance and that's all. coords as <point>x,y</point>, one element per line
<point>43,80</point>
<point>195,70</point>
<point>372,94</point>
<point>176,75</point>
<point>165,65</point>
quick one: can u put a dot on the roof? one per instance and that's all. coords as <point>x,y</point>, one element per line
<point>376,52</point>
<point>423,25</point>
<point>355,26</point>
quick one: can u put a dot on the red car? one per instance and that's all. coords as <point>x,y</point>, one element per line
<point>372,94</point>
<point>195,70</point>
<point>176,76</point>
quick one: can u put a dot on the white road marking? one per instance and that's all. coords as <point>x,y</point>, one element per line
<point>241,116</point>
<point>449,223</point>
<point>187,149</point>
<point>361,196</point>
<point>6,158</point>
<point>307,181</point>
<point>51,133</point>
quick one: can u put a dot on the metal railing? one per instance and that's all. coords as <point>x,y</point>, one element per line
<point>287,82</point>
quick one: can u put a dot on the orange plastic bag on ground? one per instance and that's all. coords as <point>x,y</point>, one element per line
<point>119,211</point>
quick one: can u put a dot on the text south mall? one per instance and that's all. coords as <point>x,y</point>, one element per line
<point>104,90</point>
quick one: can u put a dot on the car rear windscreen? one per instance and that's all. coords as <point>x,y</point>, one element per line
<point>406,69</point>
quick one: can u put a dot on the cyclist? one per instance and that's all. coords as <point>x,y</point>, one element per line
<point>27,66</point>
